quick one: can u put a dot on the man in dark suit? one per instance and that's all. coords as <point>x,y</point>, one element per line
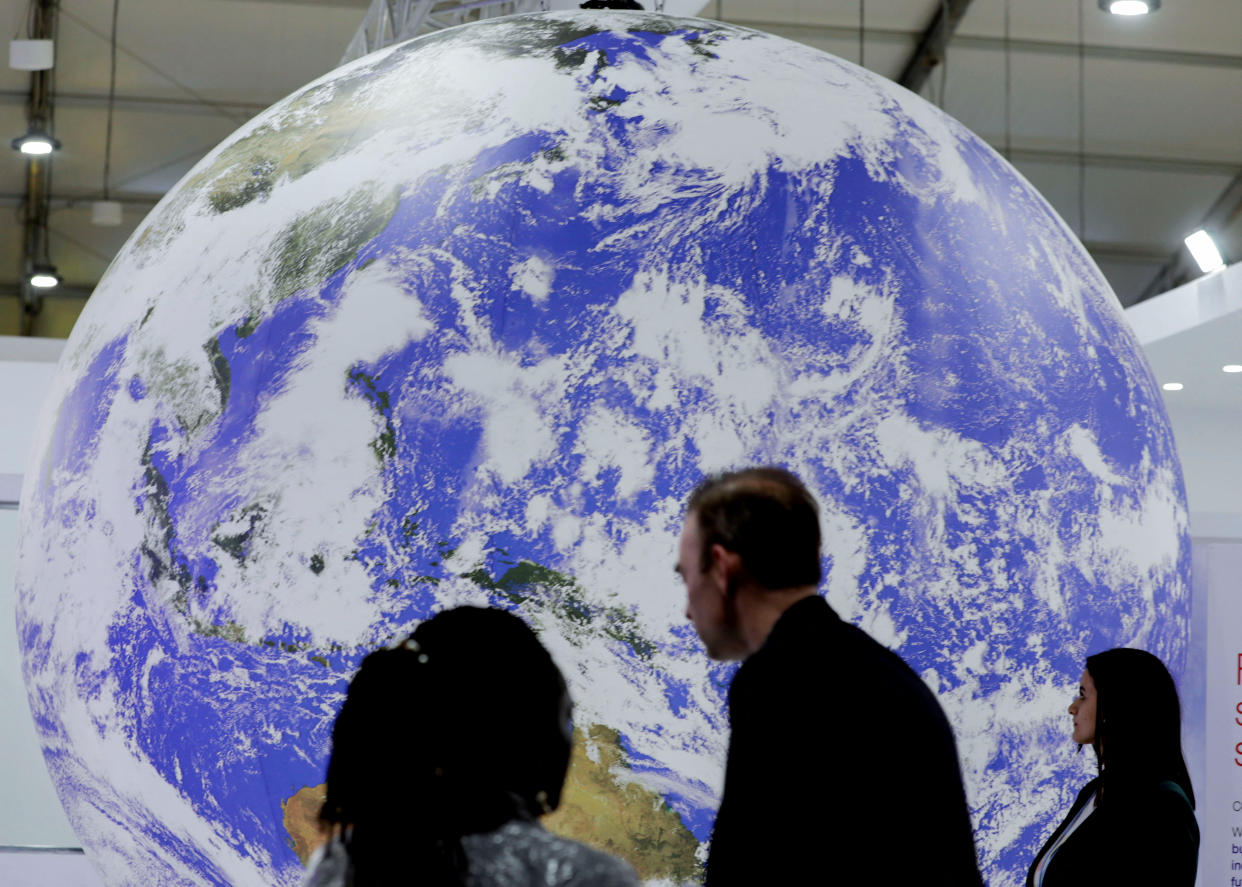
<point>842,767</point>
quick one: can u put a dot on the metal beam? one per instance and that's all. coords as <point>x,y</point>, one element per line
<point>70,201</point>
<point>41,26</point>
<point>1110,53</point>
<point>1127,253</point>
<point>139,102</point>
<point>63,291</point>
<point>390,21</point>
<point>933,44</point>
<point>1136,162</point>
<point>387,22</point>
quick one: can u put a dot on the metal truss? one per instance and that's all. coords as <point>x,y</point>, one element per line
<point>933,43</point>
<point>391,21</point>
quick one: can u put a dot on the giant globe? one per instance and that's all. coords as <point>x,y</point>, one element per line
<point>464,322</point>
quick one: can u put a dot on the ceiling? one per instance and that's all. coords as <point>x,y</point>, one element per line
<point>1156,146</point>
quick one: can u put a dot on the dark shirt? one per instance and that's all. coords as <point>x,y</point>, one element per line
<point>1138,836</point>
<point>842,767</point>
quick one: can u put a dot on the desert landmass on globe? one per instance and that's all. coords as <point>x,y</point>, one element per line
<point>606,807</point>
<point>601,806</point>
<point>301,818</point>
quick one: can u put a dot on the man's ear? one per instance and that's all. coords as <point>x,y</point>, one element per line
<point>726,569</point>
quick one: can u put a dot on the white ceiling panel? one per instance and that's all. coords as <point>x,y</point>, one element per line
<point>1155,108</point>
<point>221,49</point>
<point>1125,206</point>
<point>909,15</point>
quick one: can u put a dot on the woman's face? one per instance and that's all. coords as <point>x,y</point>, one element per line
<point>1083,710</point>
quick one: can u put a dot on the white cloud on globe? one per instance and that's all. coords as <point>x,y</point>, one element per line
<point>465,321</point>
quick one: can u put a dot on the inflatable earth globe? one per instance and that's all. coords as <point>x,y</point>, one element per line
<point>465,321</point>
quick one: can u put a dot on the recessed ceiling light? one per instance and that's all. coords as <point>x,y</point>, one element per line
<point>1231,368</point>
<point>1172,386</point>
<point>1129,7</point>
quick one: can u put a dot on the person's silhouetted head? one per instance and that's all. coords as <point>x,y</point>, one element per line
<point>768,517</point>
<point>457,730</point>
<point>1138,724</point>
<point>749,549</point>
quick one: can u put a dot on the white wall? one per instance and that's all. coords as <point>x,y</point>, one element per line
<point>27,869</point>
<point>1209,443</point>
<point>31,814</point>
<point>1217,567</point>
<point>37,819</point>
<point>23,383</point>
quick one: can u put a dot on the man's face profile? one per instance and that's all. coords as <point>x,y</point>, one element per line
<point>709,607</point>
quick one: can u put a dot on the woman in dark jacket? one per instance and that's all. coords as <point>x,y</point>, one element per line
<point>1134,823</point>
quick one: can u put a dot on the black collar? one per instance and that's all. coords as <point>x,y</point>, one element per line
<point>812,610</point>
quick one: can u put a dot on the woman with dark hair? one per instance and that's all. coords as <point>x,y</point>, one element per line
<point>447,749</point>
<point>1135,822</point>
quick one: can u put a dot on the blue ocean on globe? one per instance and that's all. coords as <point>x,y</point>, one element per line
<point>466,320</point>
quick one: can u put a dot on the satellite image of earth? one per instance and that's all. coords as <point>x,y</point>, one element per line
<point>464,321</point>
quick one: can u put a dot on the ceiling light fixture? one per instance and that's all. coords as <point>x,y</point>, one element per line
<point>35,142</point>
<point>1129,7</point>
<point>1172,386</point>
<point>44,277</point>
<point>1231,368</point>
<point>1203,248</point>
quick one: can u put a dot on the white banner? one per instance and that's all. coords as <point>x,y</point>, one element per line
<point>1220,810</point>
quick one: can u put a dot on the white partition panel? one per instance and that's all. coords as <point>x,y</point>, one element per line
<point>26,370</point>
<point>27,869</point>
<point>31,814</point>
<point>1218,569</point>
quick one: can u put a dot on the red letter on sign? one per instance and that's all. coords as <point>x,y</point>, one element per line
<point>1238,721</point>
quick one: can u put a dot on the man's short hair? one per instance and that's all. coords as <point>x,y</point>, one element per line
<point>767,516</point>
